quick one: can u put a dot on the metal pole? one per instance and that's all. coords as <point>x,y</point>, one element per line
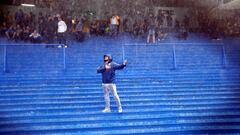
<point>136,53</point>
<point>123,52</point>
<point>5,58</point>
<point>64,58</point>
<point>174,56</point>
<point>223,56</point>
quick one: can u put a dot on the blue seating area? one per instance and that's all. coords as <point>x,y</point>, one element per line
<point>200,96</point>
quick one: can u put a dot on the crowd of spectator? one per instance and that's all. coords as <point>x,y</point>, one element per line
<point>217,28</point>
<point>24,26</point>
<point>43,28</point>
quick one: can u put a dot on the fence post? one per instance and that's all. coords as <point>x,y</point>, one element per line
<point>64,58</point>
<point>5,58</point>
<point>174,56</point>
<point>123,52</point>
<point>223,56</point>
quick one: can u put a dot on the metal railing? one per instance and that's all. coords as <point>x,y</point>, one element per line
<point>223,56</point>
<point>174,45</point>
<point>5,56</point>
<point>174,50</point>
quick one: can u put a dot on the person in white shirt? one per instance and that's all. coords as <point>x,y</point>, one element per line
<point>35,37</point>
<point>61,32</point>
<point>113,25</point>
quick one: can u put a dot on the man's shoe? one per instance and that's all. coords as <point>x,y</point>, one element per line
<point>106,110</point>
<point>120,110</point>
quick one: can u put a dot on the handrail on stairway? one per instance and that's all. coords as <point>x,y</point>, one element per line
<point>223,56</point>
<point>174,57</point>
<point>5,52</point>
<point>171,43</point>
<point>174,49</point>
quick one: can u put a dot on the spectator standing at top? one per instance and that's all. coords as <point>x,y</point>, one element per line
<point>50,30</point>
<point>114,25</point>
<point>61,32</point>
<point>151,34</point>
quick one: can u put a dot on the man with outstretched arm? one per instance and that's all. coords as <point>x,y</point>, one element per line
<point>108,81</point>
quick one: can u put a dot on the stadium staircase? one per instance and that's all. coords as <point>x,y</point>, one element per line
<point>200,96</point>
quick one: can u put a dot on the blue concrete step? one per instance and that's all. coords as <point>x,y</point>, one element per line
<point>200,97</point>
